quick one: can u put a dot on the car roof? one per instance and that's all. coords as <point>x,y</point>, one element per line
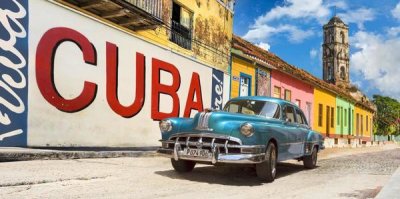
<point>264,98</point>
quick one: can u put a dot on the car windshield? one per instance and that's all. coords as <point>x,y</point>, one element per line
<point>253,107</point>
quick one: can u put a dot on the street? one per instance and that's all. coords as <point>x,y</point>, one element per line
<point>341,173</point>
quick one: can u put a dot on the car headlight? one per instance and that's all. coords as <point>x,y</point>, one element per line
<point>247,129</point>
<point>165,125</point>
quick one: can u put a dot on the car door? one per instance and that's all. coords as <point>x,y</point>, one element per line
<point>292,133</point>
<point>303,129</point>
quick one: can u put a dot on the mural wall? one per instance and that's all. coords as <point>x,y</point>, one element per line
<point>91,84</point>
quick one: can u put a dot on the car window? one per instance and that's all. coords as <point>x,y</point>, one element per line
<point>298,117</point>
<point>254,107</point>
<point>304,118</point>
<point>289,113</point>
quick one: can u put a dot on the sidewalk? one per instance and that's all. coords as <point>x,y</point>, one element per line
<point>392,188</point>
<point>8,154</point>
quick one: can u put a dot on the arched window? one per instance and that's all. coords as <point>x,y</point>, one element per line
<point>342,36</point>
<point>342,73</point>
<point>332,38</point>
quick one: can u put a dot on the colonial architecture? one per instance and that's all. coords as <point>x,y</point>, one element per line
<point>335,57</point>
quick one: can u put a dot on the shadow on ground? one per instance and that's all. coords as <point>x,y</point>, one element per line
<point>229,175</point>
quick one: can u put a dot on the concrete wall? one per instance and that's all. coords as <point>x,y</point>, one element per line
<point>300,91</point>
<point>93,84</point>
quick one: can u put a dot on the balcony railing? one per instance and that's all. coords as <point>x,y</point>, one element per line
<point>132,14</point>
<point>181,35</point>
<point>153,7</point>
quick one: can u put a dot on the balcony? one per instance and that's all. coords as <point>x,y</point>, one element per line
<point>132,14</point>
<point>181,35</point>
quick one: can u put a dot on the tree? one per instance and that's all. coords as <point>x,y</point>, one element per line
<point>387,120</point>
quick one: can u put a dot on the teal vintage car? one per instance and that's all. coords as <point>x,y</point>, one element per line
<point>249,130</point>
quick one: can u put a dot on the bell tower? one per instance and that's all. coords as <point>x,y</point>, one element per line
<point>335,56</point>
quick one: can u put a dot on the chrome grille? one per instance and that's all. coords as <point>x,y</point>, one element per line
<point>225,144</point>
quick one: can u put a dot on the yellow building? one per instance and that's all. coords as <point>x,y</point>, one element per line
<point>199,29</point>
<point>363,123</point>
<point>242,77</point>
<point>324,112</point>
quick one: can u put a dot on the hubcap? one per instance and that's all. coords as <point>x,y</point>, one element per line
<point>273,162</point>
<point>314,157</point>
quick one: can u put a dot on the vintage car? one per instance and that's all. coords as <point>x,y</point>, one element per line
<point>249,130</point>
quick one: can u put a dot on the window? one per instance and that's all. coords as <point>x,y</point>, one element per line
<point>181,31</point>
<point>342,36</point>
<point>357,123</point>
<point>362,126</point>
<point>342,73</point>
<point>304,118</point>
<point>320,112</point>
<point>345,117</point>
<point>288,95</point>
<point>277,92</point>
<point>289,113</point>
<point>366,122</point>
<point>332,116</point>
<point>299,118</point>
<point>253,107</point>
<point>338,115</point>
<point>297,102</point>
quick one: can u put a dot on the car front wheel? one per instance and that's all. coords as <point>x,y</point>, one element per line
<point>310,161</point>
<point>267,169</point>
<point>182,166</point>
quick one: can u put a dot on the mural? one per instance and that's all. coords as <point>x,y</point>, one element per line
<point>263,82</point>
<point>13,71</point>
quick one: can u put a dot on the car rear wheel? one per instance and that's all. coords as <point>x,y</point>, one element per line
<point>182,166</point>
<point>310,161</point>
<point>267,169</point>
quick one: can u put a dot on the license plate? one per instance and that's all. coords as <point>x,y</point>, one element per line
<point>196,152</point>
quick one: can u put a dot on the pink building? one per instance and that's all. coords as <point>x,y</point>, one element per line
<point>291,89</point>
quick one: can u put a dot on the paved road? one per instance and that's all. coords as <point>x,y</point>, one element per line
<point>339,175</point>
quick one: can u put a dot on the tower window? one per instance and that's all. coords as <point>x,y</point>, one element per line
<point>342,36</point>
<point>342,73</point>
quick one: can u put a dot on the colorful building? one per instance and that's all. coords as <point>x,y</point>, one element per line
<point>363,123</point>
<point>324,114</point>
<point>294,90</point>
<point>330,109</point>
<point>250,75</point>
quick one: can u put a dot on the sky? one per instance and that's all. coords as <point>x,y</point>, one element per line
<point>292,29</point>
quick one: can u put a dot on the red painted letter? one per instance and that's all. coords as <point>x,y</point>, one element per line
<point>45,55</point>
<point>195,88</point>
<point>158,88</point>
<point>112,83</point>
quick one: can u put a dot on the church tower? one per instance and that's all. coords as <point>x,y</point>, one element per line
<point>335,56</point>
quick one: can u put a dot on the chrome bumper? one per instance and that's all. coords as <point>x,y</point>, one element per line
<point>217,157</point>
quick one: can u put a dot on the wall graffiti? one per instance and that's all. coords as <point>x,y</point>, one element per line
<point>13,71</point>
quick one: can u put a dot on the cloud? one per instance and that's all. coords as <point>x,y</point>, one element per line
<point>358,16</point>
<point>377,61</point>
<point>264,46</point>
<point>263,32</point>
<point>313,53</point>
<point>393,31</point>
<point>396,11</point>
<point>296,9</point>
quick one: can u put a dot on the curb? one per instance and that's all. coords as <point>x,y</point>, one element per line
<point>26,154</point>
<point>392,188</point>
